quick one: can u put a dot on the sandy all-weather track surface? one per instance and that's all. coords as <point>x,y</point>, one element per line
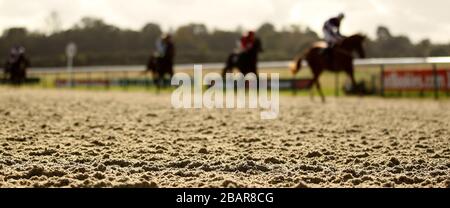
<point>51,138</point>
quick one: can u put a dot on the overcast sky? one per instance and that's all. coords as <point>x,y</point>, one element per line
<point>417,18</point>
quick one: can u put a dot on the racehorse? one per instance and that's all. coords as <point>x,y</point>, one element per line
<point>246,62</point>
<point>16,68</point>
<point>159,67</point>
<point>342,60</point>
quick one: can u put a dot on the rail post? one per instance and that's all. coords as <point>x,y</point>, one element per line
<point>48,80</point>
<point>447,88</point>
<point>373,80</point>
<point>336,81</point>
<point>382,80</point>
<point>125,80</point>
<point>55,81</point>
<point>436,83</point>
<point>106,80</point>
<point>42,80</point>
<point>89,81</point>
<point>147,81</point>
<point>293,87</point>
<point>71,51</point>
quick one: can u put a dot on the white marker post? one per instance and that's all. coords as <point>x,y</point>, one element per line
<point>71,51</point>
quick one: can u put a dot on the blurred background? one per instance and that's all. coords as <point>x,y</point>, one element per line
<point>117,32</point>
<point>114,38</point>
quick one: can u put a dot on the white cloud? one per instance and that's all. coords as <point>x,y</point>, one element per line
<point>416,18</point>
<point>380,7</point>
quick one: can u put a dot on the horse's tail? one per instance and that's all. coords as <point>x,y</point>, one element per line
<point>298,64</point>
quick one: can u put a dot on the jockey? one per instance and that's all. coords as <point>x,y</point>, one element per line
<point>169,46</point>
<point>16,65</point>
<point>247,41</point>
<point>14,51</point>
<point>331,30</point>
<point>160,47</point>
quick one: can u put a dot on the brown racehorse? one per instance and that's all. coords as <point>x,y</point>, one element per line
<point>160,67</point>
<point>246,62</point>
<point>342,59</point>
<point>16,68</point>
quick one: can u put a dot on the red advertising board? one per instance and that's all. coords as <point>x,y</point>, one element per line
<point>416,80</point>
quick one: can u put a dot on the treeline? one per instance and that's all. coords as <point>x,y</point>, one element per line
<point>100,43</point>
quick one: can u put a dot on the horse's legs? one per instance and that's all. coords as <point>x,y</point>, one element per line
<point>171,74</point>
<point>316,81</point>
<point>225,71</point>
<point>319,88</point>
<point>311,93</point>
<point>228,65</point>
<point>157,81</point>
<point>351,74</point>
<point>311,89</point>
